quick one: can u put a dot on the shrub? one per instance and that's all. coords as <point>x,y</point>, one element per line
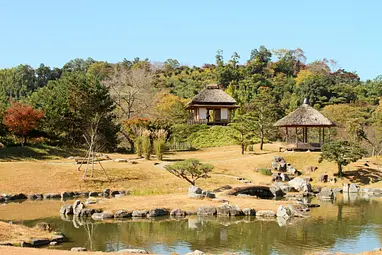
<point>159,142</point>
<point>265,171</point>
<point>146,143</point>
<point>250,147</point>
<point>190,170</point>
<point>138,145</point>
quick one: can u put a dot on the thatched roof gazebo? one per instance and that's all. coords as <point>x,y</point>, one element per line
<point>211,106</point>
<point>303,118</point>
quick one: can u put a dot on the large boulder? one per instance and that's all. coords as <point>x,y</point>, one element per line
<point>284,177</point>
<point>276,177</point>
<point>140,213</point>
<point>77,207</point>
<point>52,196</point>
<point>102,216</point>
<point>157,212</point>
<point>353,188</point>
<point>299,210</point>
<point>229,210</point>
<point>282,167</point>
<point>276,190</point>
<point>208,194</point>
<point>323,178</point>
<point>178,213</point>
<point>66,210</point>
<point>78,249</point>
<point>195,192</point>
<point>249,212</point>
<point>120,214</point>
<point>284,212</point>
<point>196,252</point>
<point>86,212</point>
<point>326,194</point>
<point>300,184</point>
<point>206,211</point>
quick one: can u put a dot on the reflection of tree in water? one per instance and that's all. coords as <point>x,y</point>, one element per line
<point>89,228</point>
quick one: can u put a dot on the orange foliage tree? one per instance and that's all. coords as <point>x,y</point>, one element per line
<point>21,119</point>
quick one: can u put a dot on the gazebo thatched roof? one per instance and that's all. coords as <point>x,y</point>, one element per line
<point>305,116</point>
<point>212,95</point>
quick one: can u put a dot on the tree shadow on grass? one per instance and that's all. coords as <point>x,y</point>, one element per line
<point>364,175</point>
<point>37,152</point>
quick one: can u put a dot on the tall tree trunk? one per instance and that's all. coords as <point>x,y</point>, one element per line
<point>25,139</point>
<point>261,143</point>
<point>339,170</point>
<point>242,149</point>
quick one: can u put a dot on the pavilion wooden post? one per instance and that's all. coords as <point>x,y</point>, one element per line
<point>286,135</point>
<point>319,136</point>
<point>296,137</point>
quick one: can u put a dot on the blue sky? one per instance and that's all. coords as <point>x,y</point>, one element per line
<point>53,32</point>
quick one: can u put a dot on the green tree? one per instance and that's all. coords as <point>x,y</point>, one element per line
<point>244,132</point>
<point>341,152</point>
<point>190,169</point>
<point>263,113</point>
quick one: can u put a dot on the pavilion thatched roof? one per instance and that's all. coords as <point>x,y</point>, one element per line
<point>212,94</point>
<point>305,115</point>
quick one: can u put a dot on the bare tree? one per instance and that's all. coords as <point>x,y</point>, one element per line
<point>131,90</point>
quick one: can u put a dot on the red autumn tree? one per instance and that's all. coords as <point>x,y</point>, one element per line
<point>21,119</point>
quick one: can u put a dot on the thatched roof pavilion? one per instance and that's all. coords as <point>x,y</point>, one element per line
<point>305,117</point>
<point>211,106</point>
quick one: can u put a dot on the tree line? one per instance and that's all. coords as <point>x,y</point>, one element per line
<point>124,98</point>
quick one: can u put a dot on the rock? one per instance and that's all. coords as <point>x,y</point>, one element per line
<point>93,194</point>
<point>25,244</point>
<point>282,167</point>
<point>299,210</point>
<point>284,177</point>
<point>53,243</point>
<point>284,187</point>
<point>206,211</point>
<point>77,207</point>
<point>316,189</point>
<point>244,195</point>
<point>274,165</point>
<point>119,195</point>
<point>353,188</point>
<point>44,226</point>
<point>196,252</point>
<point>337,190</point>
<point>52,196</point>
<point>90,201</point>
<point>276,177</point>
<point>78,249</point>
<point>67,194</point>
<point>265,214</point>
<point>5,244</point>
<point>120,214</point>
<point>58,239</point>
<point>140,213</point>
<point>208,194</point>
<point>18,196</point>
<point>35,196</point>
<point>106,192</point>
<point>229,210</point>
<point>326,194</point>
<point>82,194</point>
<point>310,169</point>
<point>323,178</point>
<point>114,193</point>
<point>102,216</point>
<point>195,192</point>
<point>300,184</point>
<point>283,212</point>
<point>178,213</point>
<point>37,242</point>
<point>66,210</point>
<point>249,212</point>
<point>278,159</point>
<point>133,251</point>
<point>276,191</point>
<point>157,212</point>
<point>86,212</point>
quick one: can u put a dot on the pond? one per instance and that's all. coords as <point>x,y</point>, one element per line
<point>346,225</point>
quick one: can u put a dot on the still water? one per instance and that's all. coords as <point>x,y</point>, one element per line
<point>346,225</point>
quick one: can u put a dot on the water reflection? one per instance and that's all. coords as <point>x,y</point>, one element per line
<point>347,221</point>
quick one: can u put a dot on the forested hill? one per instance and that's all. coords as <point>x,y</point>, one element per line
<point>84,89</point>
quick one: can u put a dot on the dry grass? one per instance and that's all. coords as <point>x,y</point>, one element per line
<point>13,233</point>
<point>339,253</point>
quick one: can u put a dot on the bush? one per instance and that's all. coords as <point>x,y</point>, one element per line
<point>250,147</point>
<point>138,146</point>
<point>265,171</point>
<point>159,142</point>
<point>146,143</point>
